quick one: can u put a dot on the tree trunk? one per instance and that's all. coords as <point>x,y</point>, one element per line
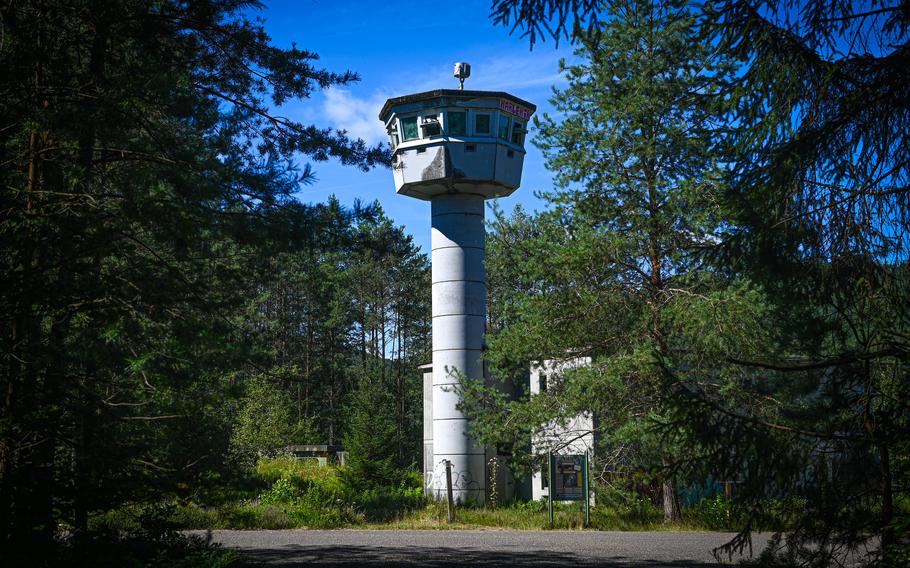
<point>888,536</point>
<point>671,511</point>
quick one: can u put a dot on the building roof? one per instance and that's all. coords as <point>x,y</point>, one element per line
<point>451,93</point>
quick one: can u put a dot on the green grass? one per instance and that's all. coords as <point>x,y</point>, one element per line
<point>295,494</point>
<point>303,495</point>
<point>530,515</point>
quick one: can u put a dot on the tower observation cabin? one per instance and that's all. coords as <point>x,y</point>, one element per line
<point>453,141</point>
<point>455,149</point>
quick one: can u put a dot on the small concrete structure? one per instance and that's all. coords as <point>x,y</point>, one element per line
<point>321,454</point>
<point>573,436</point>
<point>456,148</point>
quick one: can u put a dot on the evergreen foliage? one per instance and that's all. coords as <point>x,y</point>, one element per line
<point>370,439</point>
<point>156,265</point>
<point>799,388</point>
<point>603,272</point>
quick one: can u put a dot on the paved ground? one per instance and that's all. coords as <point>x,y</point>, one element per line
<point>450,548</point>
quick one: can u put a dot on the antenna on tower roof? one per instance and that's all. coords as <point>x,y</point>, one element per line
<point>462,72</point>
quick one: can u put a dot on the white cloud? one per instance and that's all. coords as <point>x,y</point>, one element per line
<point>525,74</point>
<point>358,116</point>
<point>518,72</point>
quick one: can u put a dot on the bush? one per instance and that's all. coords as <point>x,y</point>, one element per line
<point>252,516</point>
<point>309,495</point>
<point>192,516</point>
<point>271,470</point>
<point>715,514</point>
<point>317,509</point>
<point>387,503</point>
<point>282,491</point>
<point>617,509</point>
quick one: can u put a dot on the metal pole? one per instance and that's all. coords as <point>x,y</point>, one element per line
<point>584,474</point>
<point>450,501</point>
<point>550,482</point>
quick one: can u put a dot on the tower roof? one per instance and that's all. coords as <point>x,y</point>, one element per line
<point>451,94</point>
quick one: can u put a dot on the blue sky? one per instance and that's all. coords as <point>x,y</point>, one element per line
<point>401,47</point>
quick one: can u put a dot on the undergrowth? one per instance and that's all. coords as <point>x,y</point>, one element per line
<point>297,494</point>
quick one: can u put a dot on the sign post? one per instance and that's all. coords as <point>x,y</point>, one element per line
<point>550,476</point>
<point>450,500</point>
<point>587,496</point>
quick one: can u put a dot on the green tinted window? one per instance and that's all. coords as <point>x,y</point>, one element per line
<point>504,127</point>
<point>517,132</point>
<point>482,124</point>
<point>457,124</point>
<point>409,128</point>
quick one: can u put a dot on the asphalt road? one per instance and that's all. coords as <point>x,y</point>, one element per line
<point>450,548</point>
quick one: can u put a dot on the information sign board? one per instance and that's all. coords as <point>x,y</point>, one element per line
<point>568,483</point>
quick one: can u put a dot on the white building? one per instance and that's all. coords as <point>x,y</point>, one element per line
<point>575,435</point>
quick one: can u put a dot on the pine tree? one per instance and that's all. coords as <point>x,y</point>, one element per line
<point>370,439</point>
<point>817,203</point>
<point>817,216</point>
<point>637,174</point>
<point>144,172</point>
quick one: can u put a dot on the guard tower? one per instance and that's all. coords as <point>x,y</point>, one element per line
<point>456,148</point>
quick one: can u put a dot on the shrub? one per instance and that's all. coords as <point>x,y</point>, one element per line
<point>271,470</point>
<point>317,509</point>
<point>252,516</point>
<point>714,514</point>
<point>192,516</point>
<point>282,491</point>
<point>387,503</point>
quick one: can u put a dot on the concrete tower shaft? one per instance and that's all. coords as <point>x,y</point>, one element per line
<point>459,321</point>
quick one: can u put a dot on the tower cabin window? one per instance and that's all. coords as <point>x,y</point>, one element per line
<point>409,128</point>
<point>504,127</point>
<point>457,123</point>
<point>430,125</point>
<point>393,136</point>
<point>518,132</point>
<point>481,124</point>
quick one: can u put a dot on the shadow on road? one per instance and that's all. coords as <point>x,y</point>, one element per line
<point>358,556</point>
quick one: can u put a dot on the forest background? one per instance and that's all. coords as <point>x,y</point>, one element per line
<point>726,238</point>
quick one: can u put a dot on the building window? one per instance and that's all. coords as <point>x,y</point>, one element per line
<point>409,128</point>
<point>430,125</point>
<point>542,382</point>
<point>393,137</point>
<point>504,127</point>
<point>517,133</point>
<point>481,124</point>
<point>457,124</point>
